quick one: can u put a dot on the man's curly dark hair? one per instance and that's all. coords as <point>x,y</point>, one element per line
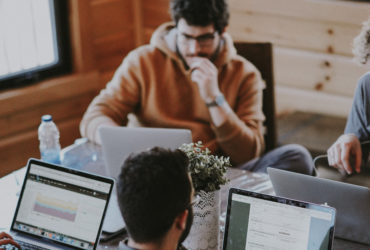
<point>153,189</point>
<point>201,12</point>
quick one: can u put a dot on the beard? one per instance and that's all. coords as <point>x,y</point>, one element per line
<point>189,223</point>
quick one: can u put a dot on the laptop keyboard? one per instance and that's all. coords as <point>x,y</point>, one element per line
<point>24,246</point>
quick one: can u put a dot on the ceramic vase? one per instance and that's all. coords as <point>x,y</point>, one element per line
<point>205,231</point>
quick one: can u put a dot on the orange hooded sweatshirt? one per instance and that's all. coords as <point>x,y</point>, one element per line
<point>153,84</point>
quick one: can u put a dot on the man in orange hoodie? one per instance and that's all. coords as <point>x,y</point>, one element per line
<point>190,76</point>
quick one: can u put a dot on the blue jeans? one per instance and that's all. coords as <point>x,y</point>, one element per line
<point>292,157</point>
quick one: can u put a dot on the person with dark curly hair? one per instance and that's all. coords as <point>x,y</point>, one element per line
<point>346,153</point>
<point>190,76</point>
<point>154,193</point>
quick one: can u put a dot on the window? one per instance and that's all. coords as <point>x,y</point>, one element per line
<point>34,41</point>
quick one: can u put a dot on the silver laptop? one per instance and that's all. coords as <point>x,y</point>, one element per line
<point>119,142</point>
<point>352,202</point>
<point>60,208</point>
<point>260,221</point>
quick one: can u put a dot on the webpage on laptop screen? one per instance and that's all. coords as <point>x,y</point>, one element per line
<point>262,224</point>
<point>62,206</point>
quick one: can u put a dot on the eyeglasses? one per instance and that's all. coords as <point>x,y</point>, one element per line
<point>203,40</point>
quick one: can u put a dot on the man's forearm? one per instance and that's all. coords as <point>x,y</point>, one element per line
<point>89,127</point>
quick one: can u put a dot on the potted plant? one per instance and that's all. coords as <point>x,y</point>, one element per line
<point>208,173</point>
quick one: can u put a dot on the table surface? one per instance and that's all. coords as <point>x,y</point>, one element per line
<point>86,156</point>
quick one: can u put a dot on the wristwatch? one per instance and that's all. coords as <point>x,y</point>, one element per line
<point>218,101</point>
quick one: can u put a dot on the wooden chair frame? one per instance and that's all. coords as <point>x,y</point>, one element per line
<point>260,54</point>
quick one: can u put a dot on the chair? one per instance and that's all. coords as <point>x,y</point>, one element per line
<point>322,161</point>
<point>260,54</point>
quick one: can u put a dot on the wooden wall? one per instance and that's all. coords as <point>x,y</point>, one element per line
<point>312,41</point>
<point>121,25</point>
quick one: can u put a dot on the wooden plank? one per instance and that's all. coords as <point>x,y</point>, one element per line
<point>155,13</point>
<point>345,12</point>
<point>155,19</point>
<point>157,4</point>
<point>306,34</point>
<point>30,119</point>
<point>81,34</point>
<point>15,151</point>
<point>114,44</point>
<point>16,100</point>
<point>111,62</point>
<point>306,70</point>
<point>291,99</point>
<point>138,22</point>
<point>111,17</point>
<point>118,43</point>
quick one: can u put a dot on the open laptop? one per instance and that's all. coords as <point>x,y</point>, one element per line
<point>119,142</point>
<point>352,202</point>
<point>60,208</point>
<point>260,221</point>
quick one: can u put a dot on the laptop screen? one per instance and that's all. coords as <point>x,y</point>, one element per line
<point>136,139</point>
<point>258,221</point>
<point>62,205</point>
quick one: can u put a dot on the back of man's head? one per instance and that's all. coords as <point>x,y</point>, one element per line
<point>201,12</point>
<point>153,189</point>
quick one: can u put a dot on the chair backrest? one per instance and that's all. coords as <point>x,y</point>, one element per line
<point>260,54</point>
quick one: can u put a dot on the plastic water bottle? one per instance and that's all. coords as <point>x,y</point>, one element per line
<point>49,140</point>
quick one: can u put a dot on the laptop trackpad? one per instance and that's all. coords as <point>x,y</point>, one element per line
<point>113,219</point>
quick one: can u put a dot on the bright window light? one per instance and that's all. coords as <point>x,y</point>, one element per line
<point>28,36</point>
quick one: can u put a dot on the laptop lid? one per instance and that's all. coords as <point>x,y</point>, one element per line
<point>61,205</point>
<point>119,142</point>
<point>352,202</point>
<point>260,221</point>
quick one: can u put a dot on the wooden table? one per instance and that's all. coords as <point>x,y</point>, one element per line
<point>86,156</point>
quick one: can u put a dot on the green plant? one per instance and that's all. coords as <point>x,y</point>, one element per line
<point>207,170</point>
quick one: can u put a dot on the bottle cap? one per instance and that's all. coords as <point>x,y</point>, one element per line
<point>46,118</point>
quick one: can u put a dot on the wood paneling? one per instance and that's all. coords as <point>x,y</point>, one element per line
<point>285,31</point>
<point>346,12</point>
<point>112,45</point>
<point>312,43</point>
<point>138,22</point>
<point>111,17</point>
<point>81,35</point>
<point>155,13</point>
<point>291,99</point>
<point>55,90</point>
<point>60,110</point>
<point>329,73</point>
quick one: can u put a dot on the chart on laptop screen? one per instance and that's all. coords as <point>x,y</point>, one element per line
<point>57,208</point>
<point>263,224</point>
<point>56,203</point>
